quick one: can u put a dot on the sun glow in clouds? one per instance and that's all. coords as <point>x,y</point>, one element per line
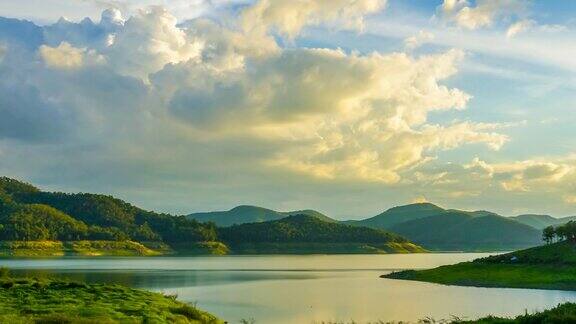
<point>186,102</point>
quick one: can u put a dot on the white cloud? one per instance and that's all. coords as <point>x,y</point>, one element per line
<point>149,41</point>
<point>417,40</point>
<point>482,15</point>
<point>519,27</point>
<point>289,17</point>
<point>207,101</point>
<point>68,57</point>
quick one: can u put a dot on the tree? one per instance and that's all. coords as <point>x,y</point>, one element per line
<point>548,234</point>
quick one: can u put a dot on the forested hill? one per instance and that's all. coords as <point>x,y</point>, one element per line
<point>455,230</point>
<point>36,220</point>
<point>251,214</point>
<point>299,233</point>
<point>28,214</point>
<point>400,214</point>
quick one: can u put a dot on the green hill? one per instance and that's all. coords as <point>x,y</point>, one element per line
<point>251,214</point>
<point>308,234</point>
<point>455,230</point>
<point>541,221</point>
<point>543,267</point>
<point>38,223</point>
<point>400,214</point>
<point>450,229</point>
<point>28,214</point>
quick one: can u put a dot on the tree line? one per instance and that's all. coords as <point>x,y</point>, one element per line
<point>564,232</point>
<point>28,214</point>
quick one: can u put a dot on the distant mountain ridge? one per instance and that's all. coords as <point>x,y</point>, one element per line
<point>450,229</point>
<point>455,230</point>
<point>400,214</point>
<point>426,224</point>
<point>542,221</point>
<point>251,214</point>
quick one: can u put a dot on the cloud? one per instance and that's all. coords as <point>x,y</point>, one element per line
<point>208,105</point>
<point>417,40</point>
<point>482,15</point>
<point>289,17</point>
<point>149,41</point>
<point>64,56</point>
<point>519,27</point>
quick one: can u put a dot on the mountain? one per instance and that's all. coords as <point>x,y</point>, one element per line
<point>455,230</point>
<point>251,214</point>
<point>400,214</point>
<point>541,221</point>
<point>309,234</point>
<point>38,223</point>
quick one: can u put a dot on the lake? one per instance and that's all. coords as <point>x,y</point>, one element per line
<point>302,289</point>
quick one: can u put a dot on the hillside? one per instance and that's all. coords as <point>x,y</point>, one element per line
<point>303,233</point>
<point>541,221</point>
<point>456,230</point>
<point>400,214</point>
<point>28,214</point>
<point>251,214</point>
<point>543,267</point>
<point>38,223</point>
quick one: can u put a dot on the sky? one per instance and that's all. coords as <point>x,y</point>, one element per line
<point>348,107</point>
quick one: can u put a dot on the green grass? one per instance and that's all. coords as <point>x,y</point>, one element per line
<point>326,248</point>
<point>28,300</point>
<point>210,248</point>
<point>80,248</point>
<point>496,275</point>
<point>564,313</point>
<point>544,267</point>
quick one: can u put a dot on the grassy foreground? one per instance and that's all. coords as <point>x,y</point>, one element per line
<point>564,313</point>
<point>28,300</point>
<point>545,267</point>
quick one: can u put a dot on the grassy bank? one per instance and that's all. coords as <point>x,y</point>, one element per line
<point>495,275</point>
<point>565,313</point>
<point>325,248</point>
<point>78,248</point>
<point>27,300</point>
<point>545,267</point>
<point>106,248</point>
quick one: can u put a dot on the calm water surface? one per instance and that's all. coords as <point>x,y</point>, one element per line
<point>302,289</point>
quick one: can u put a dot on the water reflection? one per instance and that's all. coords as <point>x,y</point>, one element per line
<point>301,289</point>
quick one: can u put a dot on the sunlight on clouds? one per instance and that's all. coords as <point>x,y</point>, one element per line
<point>330,114</point>
<point>482,15</point>
<point>149,41</point>
<point>531,175</point>
<point>570,199</point>
<point>419,200</point>
<point>290,16</point>
<point>146,97</point>
<point>519,27</point>
<point>64,56</point>
<point>415,41</point>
